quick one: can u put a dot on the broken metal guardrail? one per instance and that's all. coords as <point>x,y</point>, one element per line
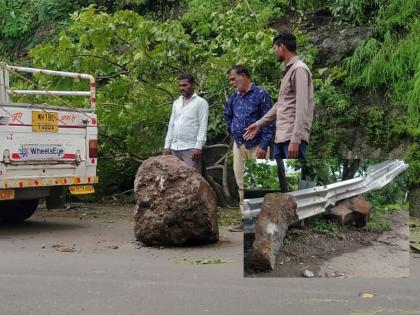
<point>315,200</point>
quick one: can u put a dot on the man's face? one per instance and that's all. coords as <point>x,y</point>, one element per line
<point>278,52</point>
<point>186,88</point>
<point>236,81</point>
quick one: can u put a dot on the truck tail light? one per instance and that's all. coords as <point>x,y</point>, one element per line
<point>93,148</point>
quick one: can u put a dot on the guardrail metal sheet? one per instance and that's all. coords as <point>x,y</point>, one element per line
<point>315,200</point>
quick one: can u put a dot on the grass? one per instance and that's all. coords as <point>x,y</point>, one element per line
<point>380,218</point>
<point>229,216</point>
<point>379,221</point>
<point>320,225</point>
<point>398,52</point>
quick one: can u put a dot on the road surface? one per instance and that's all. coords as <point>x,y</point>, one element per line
<point>86,261</point>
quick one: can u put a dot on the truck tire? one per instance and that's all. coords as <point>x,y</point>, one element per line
<point>17,210</point>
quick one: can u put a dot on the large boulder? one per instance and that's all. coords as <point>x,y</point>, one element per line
<point>278,212</point>
<point>174,204</point>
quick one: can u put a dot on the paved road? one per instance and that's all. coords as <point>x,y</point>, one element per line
<point>38,275</point>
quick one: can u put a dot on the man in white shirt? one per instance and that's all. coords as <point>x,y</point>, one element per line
<point>187,128</point>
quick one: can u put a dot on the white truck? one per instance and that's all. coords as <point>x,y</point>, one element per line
<point>44,150</point>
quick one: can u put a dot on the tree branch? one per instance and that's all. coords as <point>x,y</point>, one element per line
<point>112,75</point>
<point>103,58</point>
<point>157,87</point>
<point>123,40</point>
<point>120,144</point>
<point>167,65</point>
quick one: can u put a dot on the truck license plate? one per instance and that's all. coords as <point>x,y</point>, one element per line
<point>7,194</point>
<point>44,121</point>
<point>81,189</point>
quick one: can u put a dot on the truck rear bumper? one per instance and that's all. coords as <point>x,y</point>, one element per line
<point>46,182</point>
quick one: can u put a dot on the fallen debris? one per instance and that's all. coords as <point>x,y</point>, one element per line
<point>351,211</point>
<point>308,274</point>
<point>174,204</point>
<point>278,211</point>
<point>208,261</point>
<point>339,275</point>
<point>63,248</point>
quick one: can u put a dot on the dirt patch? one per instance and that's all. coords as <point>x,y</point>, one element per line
<point>306,249</point>
<point>86,211</point>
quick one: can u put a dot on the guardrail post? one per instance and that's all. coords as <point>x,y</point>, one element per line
<point>4,84</point>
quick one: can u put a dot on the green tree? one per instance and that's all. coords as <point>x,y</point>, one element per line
<point>137,60</point>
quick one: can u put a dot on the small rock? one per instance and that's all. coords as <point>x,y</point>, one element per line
<point>65,249</point>
<point>367,295</point>
<point>308,274</point>
<point>42,246</point>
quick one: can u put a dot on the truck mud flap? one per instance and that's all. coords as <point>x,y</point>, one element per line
<point>57,198</point>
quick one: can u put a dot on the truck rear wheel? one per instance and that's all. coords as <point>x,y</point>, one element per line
<point>17,210</point>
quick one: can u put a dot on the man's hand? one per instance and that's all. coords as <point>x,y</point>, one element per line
<point>196,154</point>
<point>293,151</point>
<point>166,151</point>
<point>251,131</point>
<point>261,154</point>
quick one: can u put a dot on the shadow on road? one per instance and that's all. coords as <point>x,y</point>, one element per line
<point>11,230</point>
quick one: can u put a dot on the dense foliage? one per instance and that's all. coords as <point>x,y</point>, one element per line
<point>390,59</point>
<point>261,174</point>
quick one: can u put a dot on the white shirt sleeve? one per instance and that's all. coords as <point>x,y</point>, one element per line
<point>203,121</point>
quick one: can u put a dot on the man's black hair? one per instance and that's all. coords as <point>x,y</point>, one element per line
<point>240,69</point>
<point>287,39</point>
<point>186,76</point>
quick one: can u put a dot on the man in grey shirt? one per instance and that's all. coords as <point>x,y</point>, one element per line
<point>294,109</point>
<point>187,128</point>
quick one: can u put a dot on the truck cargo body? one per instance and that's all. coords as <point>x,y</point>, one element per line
<point>43,151</point>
